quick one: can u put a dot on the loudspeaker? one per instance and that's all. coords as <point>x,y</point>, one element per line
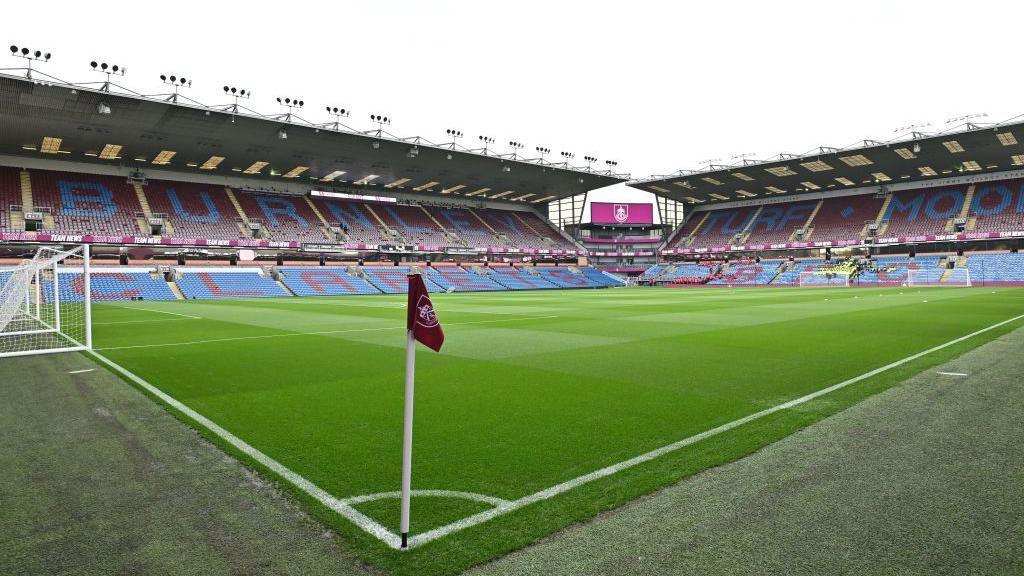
<point>428,263</point>
<point>361,262</point>
<point>123,258</point>
<point>913,254</point>
<point>280,260</point>
<point>323,260</point>
<point>233,260</point>
<point>181,259</point>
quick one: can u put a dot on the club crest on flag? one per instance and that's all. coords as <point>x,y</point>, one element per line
<point>621,213</point>
<point>425,313</point>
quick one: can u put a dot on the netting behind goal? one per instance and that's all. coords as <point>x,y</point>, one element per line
<point>45,303</point>
<point>818,279</point>
<point>941,277</point>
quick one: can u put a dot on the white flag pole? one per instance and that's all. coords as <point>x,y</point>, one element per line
<point>410,376</point>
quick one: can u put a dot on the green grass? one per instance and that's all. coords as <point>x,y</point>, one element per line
<point>531,389</point>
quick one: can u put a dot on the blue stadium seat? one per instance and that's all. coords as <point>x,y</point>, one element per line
<point>108,286</point>
<point>243,284</point>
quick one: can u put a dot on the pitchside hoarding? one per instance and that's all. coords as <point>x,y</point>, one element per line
<point>621,213</point>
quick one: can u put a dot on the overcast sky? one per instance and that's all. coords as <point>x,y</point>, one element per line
<point>655,85</point>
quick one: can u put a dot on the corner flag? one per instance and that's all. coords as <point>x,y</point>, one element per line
<point>422,325</point>
<point>422,320</point>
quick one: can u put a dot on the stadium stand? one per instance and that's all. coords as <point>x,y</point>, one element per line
<point>355,219</point>
<point>843,218</point>
<point>893,270</point>
<point>393,279</point>
<point>921,212</point>
<point>194,210</point>
<point>653,272</point>
<point>10,195</point>
<point>565,278</point>
<point>413,225</point>
<point>284,217</point>
<point>776,223</point>
<point>523,230</point>
<point>998,207</point>
<point>323,281</point>
<point>599,278</point>
<point>460,279</point>
<point>690,272</point>
<point>519,279</point>
<point>86,203</point>
<point>241,284</point>
<point>791,275</point>
<point>748,273</point>
<point>722,227</point>
<point>463,223</point>
<point>108,286</point>
<point>989,268</point>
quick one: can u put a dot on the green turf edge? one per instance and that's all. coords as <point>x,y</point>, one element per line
<point>507,533</point>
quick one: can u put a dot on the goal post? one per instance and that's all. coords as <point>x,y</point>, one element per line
<point>46,303</point>
<point>939,277</point>
<point>823,279</point>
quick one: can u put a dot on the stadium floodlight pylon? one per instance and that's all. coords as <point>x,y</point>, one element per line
<point>46,303</point>
<point>956,278</point>
<point>821,279</point>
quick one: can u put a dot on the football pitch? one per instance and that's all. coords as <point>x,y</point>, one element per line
<point>543,409</point>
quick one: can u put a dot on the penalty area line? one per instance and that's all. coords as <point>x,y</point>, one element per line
<point>547,493</point>
<point>345,510</point>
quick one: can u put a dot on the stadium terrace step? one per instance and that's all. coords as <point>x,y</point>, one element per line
<point>175,290</point>
<point>236,205</point>
<point>968,202</point>
<point>143,202</point>
<point>26,191</point>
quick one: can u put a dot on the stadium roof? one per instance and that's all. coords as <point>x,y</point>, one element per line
<point>912,157</point>
<point>108,124</point>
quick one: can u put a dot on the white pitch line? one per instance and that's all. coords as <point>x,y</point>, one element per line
<point>319,333</point>
<point>81,371</point>
<point>492,500</point>
<point>615,468</point>
<point>356,517</point>
<point>139,321</point>
<point>159,312</point>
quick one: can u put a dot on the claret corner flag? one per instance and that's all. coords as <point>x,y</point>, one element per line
<point>422,319</point>
<point>421,325</point>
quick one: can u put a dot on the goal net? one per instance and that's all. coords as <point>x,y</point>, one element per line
<point>943,277</point>
<point>45,303</point>
<point>821,279</point>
